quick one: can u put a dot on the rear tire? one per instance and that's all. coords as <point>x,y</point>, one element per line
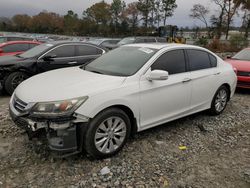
<point>107,133</point>
<point>13,80</point>
<point>220,100</point>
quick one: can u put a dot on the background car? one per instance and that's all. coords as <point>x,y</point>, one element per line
<point>16,47</point>
<point>241,62</point>
<point>15,38</point>
<point>42,58</point>
<point>106,42</point>
<point>106,100</point>
<point>146,39</point>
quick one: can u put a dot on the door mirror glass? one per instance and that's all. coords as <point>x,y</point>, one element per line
<point>49,57</point>
<point>157,75</point>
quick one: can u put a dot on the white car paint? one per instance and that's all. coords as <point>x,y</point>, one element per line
<point>152,102</point>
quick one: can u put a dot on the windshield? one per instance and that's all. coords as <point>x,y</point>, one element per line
<point>124,41</point>
<point>36,50</point>
<point>243,55</point>
<point>123,61</point>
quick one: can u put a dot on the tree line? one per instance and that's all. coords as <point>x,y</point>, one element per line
<point>223,20</point>
<point>120,19</point>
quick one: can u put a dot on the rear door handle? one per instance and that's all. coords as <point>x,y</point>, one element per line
<point>186,80</point>
<point>72,62</point>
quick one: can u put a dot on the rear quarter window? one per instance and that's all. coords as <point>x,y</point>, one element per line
<point>213,60</point>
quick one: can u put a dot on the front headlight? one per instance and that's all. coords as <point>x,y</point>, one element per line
<point>57,108</point>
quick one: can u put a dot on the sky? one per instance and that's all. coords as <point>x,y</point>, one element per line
<point>181,18</point>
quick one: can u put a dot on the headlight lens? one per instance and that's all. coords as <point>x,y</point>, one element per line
<point>57,108</point>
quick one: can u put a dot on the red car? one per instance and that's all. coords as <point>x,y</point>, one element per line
<point>16,47</point>
<point>241,62</point>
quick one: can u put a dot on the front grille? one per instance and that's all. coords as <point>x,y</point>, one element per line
<point>242,73</point>
<point>19,105</point>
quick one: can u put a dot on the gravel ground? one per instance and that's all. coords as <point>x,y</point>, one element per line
<point>217,154</point>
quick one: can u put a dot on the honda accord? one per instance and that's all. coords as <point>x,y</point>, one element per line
<point>97,107</point>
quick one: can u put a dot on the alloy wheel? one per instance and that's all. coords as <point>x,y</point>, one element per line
<point>110,134</point>
<point>221,100</point>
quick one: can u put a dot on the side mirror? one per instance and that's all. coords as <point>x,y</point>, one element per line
<point>49,57</point>
<point>229,56</point>
<point>158,75</point>
<point>1,50</point>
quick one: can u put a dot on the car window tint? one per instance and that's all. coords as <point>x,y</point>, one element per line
<point>106,43</point>
<point>161,40</point>
<point>15,48</point>
<point>114,41</point>
<point>213,60</point>
<point>198,60</point>
<point>2,39</point>
<point>88,50</point>
<point>149,40</point>
<point>63,51</point>
<point>139,41</point>
<point>33,45</point>
<point>173,62</point>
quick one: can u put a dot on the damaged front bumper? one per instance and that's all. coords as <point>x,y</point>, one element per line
<point>63,135</point>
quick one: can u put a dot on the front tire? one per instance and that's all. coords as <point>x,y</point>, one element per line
<point>107,133</point>
<point>220,100</point>
<point>13,80</point>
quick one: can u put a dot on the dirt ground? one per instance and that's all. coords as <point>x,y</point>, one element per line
<point>217,155</point>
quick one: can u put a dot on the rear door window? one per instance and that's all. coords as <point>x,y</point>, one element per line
<point>84,50</point>
<point>63,51</point>
<point>198,60</point>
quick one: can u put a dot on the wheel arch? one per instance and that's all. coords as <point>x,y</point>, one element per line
<point>229,89</point>
<point>129,112</point>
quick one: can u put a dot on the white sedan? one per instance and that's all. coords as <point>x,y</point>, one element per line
<point>96,107</point>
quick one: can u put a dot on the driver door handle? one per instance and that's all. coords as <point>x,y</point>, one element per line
<point>186,80</point>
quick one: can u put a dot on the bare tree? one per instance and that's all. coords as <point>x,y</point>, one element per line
<point>228,8</point>
<point>245,6</point>
<point>200,12</point>
<point>168,6</point>
<point>218,21</point>
<point>231,9</point>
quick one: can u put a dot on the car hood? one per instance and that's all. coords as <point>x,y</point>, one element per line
<point>64,84</point>
<point>239,64</point>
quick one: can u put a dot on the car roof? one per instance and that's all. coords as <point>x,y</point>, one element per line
<point>20,42</point>
<point>57,43</point>
<point>159,46</point>
<point>65,42</point>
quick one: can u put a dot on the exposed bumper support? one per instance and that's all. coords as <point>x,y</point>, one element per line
<point>64,137</point>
